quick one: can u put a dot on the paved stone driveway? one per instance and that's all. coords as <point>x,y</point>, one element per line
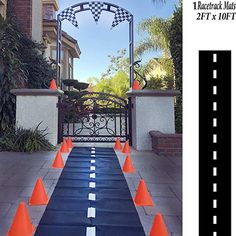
<point>19,172</point>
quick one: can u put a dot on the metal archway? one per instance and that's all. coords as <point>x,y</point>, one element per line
<point>84,6</point>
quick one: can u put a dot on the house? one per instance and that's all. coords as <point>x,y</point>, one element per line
<point>156,68</point>
<point>70,47</point>
<point>38,21</point>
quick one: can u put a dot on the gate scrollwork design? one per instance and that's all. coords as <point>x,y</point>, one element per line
<point>94,117</point>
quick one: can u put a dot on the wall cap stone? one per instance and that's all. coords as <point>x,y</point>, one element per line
<point>152,93</point>
<point>163,135</point>
<point>37,92</point>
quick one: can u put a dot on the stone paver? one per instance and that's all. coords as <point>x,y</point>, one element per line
<point>163,178</point>
<point>18,174</point>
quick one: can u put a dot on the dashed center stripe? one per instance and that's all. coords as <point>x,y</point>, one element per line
<point>214,187</point>
<point>91,231</point>
<point>214,220</point>
<point>91,212</point>
<point>214,203</point>
<point>92,176</point>
<point>214,171</point>
<point>214,155</point>
<point>214,90</point>
<point>214,74</point>
<point>214,57</point>
<point>92,185</point>
<point>214,106</point>
<point>92,168</point>
<point>214,138</point>
<point>92,197</point>
<point>214,122</point>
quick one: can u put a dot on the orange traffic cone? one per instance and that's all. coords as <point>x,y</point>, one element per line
<point>143,197</point>
<point>126,148</point>
<point>64,147</point>
<point>58,161</point>
<point>118,145</point>
<point>53,85</point>
<point>128,166</point>
<point>39,195</point>
<point>21,224</point>
<point>136,85</point>
<point>158,227</point>
<point>69,142</point>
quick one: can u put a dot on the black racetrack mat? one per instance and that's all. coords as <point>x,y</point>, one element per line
<point>91,198</point>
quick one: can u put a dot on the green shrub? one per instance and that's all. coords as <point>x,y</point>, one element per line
<point>18,139</point>
<point>176,53</point>
<point>11,73</point>
<point>39,70</point>
<point>22,65</point>
<point>161,82</point>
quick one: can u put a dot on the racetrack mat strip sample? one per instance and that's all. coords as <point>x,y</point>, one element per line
<point>91,198</point>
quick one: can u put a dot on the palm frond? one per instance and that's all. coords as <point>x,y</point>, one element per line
<point>153,44</point>
<point>158,35</point>
<point>155,25</point>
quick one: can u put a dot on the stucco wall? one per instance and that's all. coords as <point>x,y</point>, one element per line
<point>31,110</point>
<point>152,113</point>
<point>151,110</point>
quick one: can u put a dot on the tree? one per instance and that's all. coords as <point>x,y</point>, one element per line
<point>176,53</point>
<point>161,82</point>
<point>11,73</point>
<point>118,62</point>
<point>117,84</point>
<point>166,35</point>
<point>159,66</point>
<point>116,78</point>
<point>158,36</point>
<point>39,71</point>
<point>157,40</point>
<point>21,65</point>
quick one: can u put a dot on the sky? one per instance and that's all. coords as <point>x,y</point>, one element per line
<point>97,41</point>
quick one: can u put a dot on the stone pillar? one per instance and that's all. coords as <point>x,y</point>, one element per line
<point>151,110</point>
<point>38,105</point>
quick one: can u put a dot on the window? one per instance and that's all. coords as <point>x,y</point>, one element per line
<point>54,57</point>
<point>49,12</point>
<point>54,54</point>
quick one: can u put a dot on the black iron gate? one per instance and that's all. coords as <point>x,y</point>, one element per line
<point>93,117</point>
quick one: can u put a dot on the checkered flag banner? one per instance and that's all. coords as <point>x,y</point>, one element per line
<point>69,14</point>
<point>96,9</point>
<point>120,15</point>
